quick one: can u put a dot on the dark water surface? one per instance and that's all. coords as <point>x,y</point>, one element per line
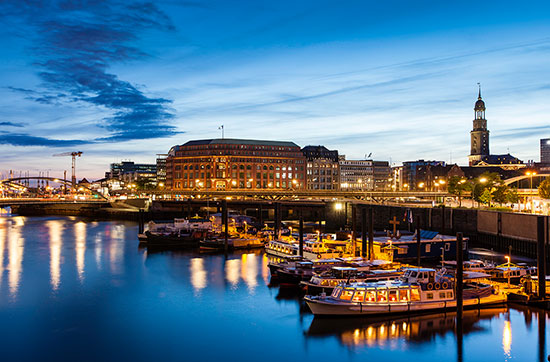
<point>79,290</point>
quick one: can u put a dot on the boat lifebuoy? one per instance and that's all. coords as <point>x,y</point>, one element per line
<point>430,286</point>
<point>444,285</point>
<point>437,286</point>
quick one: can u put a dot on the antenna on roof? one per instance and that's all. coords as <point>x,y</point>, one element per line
<point>221,127</point>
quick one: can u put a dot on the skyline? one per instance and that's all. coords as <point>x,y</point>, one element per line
<point>127,80</point>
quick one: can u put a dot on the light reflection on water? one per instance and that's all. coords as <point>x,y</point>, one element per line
<point>80,246</point>
<point>16,246</point>
<point>165,305</point>
<point>55,228</point>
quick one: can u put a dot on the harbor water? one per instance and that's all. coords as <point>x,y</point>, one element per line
<point>73,289</point>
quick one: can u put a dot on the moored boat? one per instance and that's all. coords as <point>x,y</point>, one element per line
<point>419,290</point>
<point>511,272</point>
<point>326,281</point>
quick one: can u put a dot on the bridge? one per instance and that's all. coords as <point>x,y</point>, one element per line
<point>15,185</point>
<point>324,195</point>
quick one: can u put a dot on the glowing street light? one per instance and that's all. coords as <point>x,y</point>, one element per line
<point>531,174</point>
<point>508,262</point>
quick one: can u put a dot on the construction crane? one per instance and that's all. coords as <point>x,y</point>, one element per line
<point>74,156</point>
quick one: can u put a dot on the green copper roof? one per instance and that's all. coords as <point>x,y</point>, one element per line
<point>235,141</point>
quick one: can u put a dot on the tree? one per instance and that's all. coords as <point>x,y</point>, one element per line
<point>544,189</point>
<point>457,186</point>
<point>485,197</point>
<point>484,186</point>
<point>500,194</point>
<point>512,196</point>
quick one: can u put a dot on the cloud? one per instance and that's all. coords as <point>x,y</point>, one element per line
<point>11,124</point>
<point>20,139</point>
<point>515,133</point>
<point>75,45</point>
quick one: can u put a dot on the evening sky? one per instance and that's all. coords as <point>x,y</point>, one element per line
<point>398,79</point>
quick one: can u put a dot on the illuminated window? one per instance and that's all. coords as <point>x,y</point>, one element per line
<point>392,296</point>
<point>382,296</point>
<point>359,296</point>
<point>430,295</point>
<point>403,295</point>
<point>371,296</point>
<point>415,294</point>
<point>346,295</point>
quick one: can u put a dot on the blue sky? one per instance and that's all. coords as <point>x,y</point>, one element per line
<point>126,80</point>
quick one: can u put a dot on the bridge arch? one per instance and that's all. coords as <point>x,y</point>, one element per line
<point>524,181</point>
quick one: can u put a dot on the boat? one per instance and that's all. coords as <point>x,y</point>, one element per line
<point>511,272</point>
<point>176,238</point>
<point>184,233</point>
<point>315,247</point>
<point>473,265</point>
<point>418,290</point>
<point>282,249</point>
<point>326,281</point>
<point>292,273</point>
<point>234,242</point>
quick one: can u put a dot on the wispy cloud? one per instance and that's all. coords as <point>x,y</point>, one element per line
<point>20,139</point>
<point>11,124</point>
<point>514,133</point>
<point>76,45</point>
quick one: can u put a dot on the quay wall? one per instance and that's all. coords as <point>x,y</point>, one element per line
<point>91,210</point>
<point>488,229</point>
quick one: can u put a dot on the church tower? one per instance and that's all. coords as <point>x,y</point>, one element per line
<point>479,135</point>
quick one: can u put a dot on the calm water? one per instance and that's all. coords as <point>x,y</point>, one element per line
<point>78,290</point>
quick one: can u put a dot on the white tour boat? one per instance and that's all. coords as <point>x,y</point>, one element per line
<point>418,290</point>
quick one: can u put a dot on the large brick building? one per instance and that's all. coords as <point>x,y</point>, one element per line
<point>228,164</point>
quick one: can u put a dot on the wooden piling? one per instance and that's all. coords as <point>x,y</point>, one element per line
<point>418,241</point>
<point>354,228</point>
<point>141,220</point>
<point>459,277</point>
<point>541,256</point>
<point>301,237</point>
<point>363,232</point>
<point>277,217</point>
<point>225,221</point>
<point>371,233</point>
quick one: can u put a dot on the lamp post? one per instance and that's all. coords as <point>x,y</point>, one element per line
<point>531,174</point>
<point>507,257</point>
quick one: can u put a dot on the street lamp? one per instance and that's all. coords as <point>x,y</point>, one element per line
<point>531,174</point>
<point>507,257</point>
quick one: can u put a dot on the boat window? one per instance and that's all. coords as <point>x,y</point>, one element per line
<point>428,248</point>
<point>393,296</point>
<point>371,296</point>
<point>336,292</point>
<point>359,296</point>
<point>449,294</point>
<point>430,295</point>
<point>441,295</point>
<point>382,296</point>
<point>403,295</point>
<point>415,294</point>
<point>413,274</point>
<point>346,295</point>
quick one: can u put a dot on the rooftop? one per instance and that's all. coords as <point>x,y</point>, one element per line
<point>236,141</point>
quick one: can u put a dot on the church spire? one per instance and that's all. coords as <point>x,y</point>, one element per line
<point>479,95</point>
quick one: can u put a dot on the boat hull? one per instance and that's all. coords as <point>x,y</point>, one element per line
<point>326,307</point>
<point>164,241</point>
